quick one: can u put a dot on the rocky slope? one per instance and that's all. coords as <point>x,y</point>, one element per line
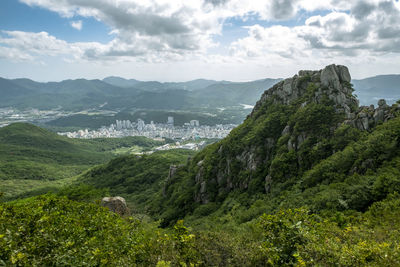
<point>296,124</point>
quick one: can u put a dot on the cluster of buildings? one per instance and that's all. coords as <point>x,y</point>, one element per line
<point>10,115</point>
<point>190,146</point>
<point>189,131</point>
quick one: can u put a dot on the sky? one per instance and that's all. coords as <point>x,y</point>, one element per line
<point>180,40</point>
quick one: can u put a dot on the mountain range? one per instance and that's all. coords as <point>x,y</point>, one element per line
<point>119,93</point>
<point>128,94</point>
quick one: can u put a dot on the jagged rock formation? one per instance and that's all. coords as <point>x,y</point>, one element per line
<point>368,117</point>
<point>116,204</point>
<point>286,134</point>
<point>333,81</point>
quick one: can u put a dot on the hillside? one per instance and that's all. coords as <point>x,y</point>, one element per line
<point>32,154</point>
<point>137,178</point>
<point>305,143</point>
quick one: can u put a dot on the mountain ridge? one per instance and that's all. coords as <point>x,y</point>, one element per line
<point>73,94</point>
<point>296,125</point>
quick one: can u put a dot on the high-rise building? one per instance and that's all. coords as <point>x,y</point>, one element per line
<point>140,125</point>
<point>194,123</point>
<point>170,120</point>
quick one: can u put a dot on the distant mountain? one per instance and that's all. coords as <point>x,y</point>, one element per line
<point>196,84</point>
<point>123,94</point>
<point>121,82</point>
<point>158,86</point>
<point>370,90</point>
<point>70,94</point>
<point>120,93</point>
<point>227,94</point>
<point>9,90</point>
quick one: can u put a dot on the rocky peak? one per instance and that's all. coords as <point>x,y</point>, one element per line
<point>287,125</point>
<point>332,81</point>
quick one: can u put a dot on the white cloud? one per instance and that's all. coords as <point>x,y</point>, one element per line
<point>369,28</point>
<point>76,24</point>
<point>162,31</point>
<point>29,43</point>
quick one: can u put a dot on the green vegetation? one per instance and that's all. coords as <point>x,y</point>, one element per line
<point>137,178</point>
<point>51,230</point>
<point>32,158</point>
<point>294,185</point>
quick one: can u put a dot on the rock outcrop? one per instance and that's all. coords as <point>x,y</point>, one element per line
<point>333,80</point>
<point>116,204</point>
<point>265,140</point>
<point>368,117</point>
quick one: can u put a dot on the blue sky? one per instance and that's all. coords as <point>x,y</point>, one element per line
<point>180,40</point>
<point>16,16</point>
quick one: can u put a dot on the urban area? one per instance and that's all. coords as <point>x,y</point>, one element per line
<point>189,131</point>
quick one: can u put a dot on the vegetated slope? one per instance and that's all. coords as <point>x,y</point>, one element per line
<point>137,178</point>
<point>370,90</point>
<point>306,143</point>
<point>51,231</point>
<point>28,152</point>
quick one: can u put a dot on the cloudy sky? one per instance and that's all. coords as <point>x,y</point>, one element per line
<point>179,40</point>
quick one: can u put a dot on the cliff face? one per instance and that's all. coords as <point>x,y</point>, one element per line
<point>290,129</point>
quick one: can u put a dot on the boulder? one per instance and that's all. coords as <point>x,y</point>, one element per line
<point>344,74</point>
<point>116,204</point>
<point>329,77</point>
<point>382,103</point>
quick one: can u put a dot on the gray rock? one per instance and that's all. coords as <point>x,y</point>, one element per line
<point>381,103</point>
<point>344,74</point>
<point>286,130</point>
<point>329,77</point>
<point>116,204</point>
<point>362,114</point>
<point>371,108</point>
<point>287,86</point>
<point>300,139</point>
<point>365,123</point>
<point>203,187</point>
<point>379,115</point>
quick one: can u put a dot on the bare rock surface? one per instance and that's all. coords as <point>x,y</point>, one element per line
<point>116,204</point>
